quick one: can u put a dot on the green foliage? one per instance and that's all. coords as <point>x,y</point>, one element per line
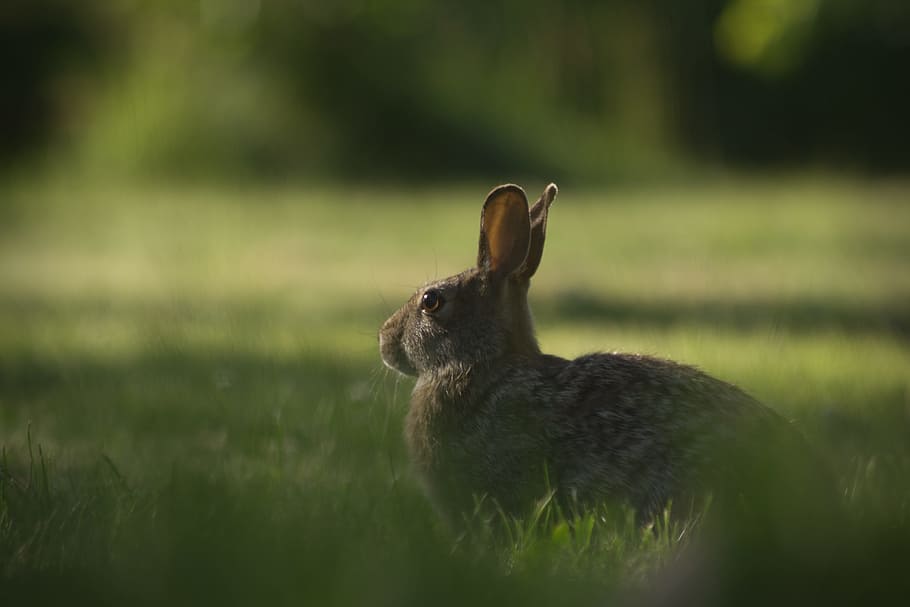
<point>602,90</point>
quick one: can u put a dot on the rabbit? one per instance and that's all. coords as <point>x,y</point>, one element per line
<point>491,415</point>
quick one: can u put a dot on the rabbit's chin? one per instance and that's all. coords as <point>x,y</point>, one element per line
<point>394,358</point>
<point>405,371</point>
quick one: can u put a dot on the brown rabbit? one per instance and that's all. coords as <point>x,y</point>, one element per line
<point>491,415</point>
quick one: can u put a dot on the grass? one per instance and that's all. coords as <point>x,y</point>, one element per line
<point>192,408</point>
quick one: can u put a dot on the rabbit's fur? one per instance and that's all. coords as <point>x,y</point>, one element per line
<point>491,415</point>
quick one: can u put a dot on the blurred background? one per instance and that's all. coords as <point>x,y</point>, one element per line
<point>405,90</point>
<point>208,208</point>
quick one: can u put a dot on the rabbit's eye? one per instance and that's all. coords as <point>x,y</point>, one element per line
<point>431,301</point>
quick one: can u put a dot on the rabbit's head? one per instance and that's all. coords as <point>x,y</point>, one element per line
<point>482,314</point>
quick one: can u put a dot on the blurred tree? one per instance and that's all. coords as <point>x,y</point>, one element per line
<point>772,82</point>
<point>48,49</point>
<point>400,88</point>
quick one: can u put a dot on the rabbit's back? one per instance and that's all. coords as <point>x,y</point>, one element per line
<point>646,430</point>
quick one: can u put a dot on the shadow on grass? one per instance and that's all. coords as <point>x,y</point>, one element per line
<point>253,315</point>
<point>317,417</point>
<point>794,315</point>
<point>202,539</point>
<point>208,538</point>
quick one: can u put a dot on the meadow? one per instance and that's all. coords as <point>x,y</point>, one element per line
<point>193,409</point>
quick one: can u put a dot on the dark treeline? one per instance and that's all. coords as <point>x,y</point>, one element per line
<point>402,88</point>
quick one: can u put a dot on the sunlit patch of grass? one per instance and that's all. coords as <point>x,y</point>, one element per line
<point>827,368</point>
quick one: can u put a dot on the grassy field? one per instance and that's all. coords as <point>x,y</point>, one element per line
<point>192,407</point>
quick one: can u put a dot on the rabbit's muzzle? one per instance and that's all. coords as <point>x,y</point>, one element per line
<point>390,345</point>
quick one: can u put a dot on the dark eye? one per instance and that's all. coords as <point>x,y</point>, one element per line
<point>431,301</point>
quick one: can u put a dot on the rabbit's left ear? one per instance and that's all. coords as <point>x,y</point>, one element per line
<point>538,215</point>
<point>505,231</point>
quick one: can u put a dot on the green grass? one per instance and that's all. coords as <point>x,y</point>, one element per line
<point>192,407</point>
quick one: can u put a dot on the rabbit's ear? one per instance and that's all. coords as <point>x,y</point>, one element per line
<point>538,231</point>
<point>505,231</point>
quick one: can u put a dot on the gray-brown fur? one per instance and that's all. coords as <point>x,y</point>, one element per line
<point>491,415</point>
